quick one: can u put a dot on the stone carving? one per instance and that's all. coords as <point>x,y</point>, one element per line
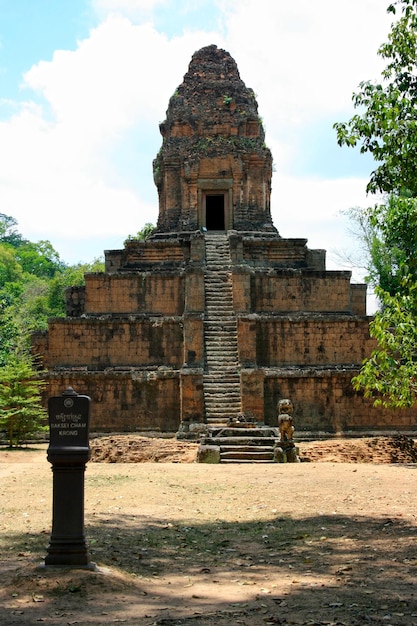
<point>285,425</point>
<point>285,451</point>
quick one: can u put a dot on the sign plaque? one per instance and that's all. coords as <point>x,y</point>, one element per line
<point>68,452</point>
<point>69,417</point>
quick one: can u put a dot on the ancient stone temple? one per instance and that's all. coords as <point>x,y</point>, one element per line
<point>215,315</point>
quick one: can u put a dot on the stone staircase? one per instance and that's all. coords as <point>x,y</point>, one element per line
<point>226,442</point>
<point>239,445</point>
<point>221,378</point>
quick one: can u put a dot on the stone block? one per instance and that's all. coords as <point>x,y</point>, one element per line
<point>208,454</point>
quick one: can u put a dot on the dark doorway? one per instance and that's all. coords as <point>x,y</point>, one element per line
<point>215,212</point>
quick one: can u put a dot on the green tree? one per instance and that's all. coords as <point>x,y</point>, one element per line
<point>33,280</point>
<point>8,232</point>
<point>39,259</point>
<point>71,276</point>
<point>144,233</point>
<point>10,269</point>
<point>386,127</point>
<point>21,412</point>
<point>388,233</point>
<point>389,375</point>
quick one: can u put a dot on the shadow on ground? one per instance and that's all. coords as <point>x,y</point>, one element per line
<point>316,570</point>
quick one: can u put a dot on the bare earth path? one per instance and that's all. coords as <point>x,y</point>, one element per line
<point>178,543</point>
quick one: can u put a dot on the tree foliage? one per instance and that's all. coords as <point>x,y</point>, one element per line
<point>21,412</point>
<point>144,233</point>
<point>390,231</point>
<point>389,375</point>
<point>386,127</point>
<point>33,280</point>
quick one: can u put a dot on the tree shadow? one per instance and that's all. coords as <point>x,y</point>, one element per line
<point>315,570</point>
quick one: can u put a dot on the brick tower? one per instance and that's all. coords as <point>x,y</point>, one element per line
<point>215,314</point>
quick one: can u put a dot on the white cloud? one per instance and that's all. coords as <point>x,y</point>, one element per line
<point>306,58</point>
<point>59,172</point>
<point>134,9</point>
<point>312,208</point>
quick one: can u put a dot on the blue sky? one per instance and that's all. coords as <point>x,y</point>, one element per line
<point>85,83</point>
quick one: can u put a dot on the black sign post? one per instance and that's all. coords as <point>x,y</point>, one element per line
<point>68,452</point>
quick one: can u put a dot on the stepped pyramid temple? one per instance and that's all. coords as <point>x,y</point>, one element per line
<point>215,315</point>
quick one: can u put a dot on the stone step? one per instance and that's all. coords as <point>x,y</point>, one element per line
<point>224,373</point>
<point>231,409</point>
<point>213,391</point>
<point>214,387</point>
<point>246,456</point>
<point>220,396</point>
<point>221,361</point>
<point>226,342</point>
<point>216,421</point>
<point>221,334</point>
<point>241,441</point>
<point>216,324</point>
<point>217,361</point>
<point>248,448</point>
<point>226,322</point>
<point>219,358</point>
<point>226,380</point>
<point>219,349</point>
<point>214,384</point>
<point>223,411</point>
<point>234,397</point>
<point>230,461</point>
<point>223,398</point>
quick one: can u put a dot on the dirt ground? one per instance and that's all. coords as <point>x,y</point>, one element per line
<point>331,540</point>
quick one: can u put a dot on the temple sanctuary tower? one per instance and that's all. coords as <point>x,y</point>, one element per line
<point>215,315</point>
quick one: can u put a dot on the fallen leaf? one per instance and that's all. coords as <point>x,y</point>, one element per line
<point>38,598</point>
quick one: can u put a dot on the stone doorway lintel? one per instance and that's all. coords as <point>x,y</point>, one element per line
<point>208,187</point>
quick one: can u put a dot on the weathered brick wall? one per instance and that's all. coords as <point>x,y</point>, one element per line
<point>192,395</point>
<point>327,402</point>
<point>193,340</point>
<point>301,291</point>
<point>265,252</point>
<point>124,401</point>
<point>331,340</point>
<point>194,291</point>
<point>168,252</point>
<point>156,252</point>
<point>101,343</point>
<point>75,301</point>
<point>358,298</point>
<point>134,293</point>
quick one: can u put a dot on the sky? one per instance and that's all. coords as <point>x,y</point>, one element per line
<point>84,85</point>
